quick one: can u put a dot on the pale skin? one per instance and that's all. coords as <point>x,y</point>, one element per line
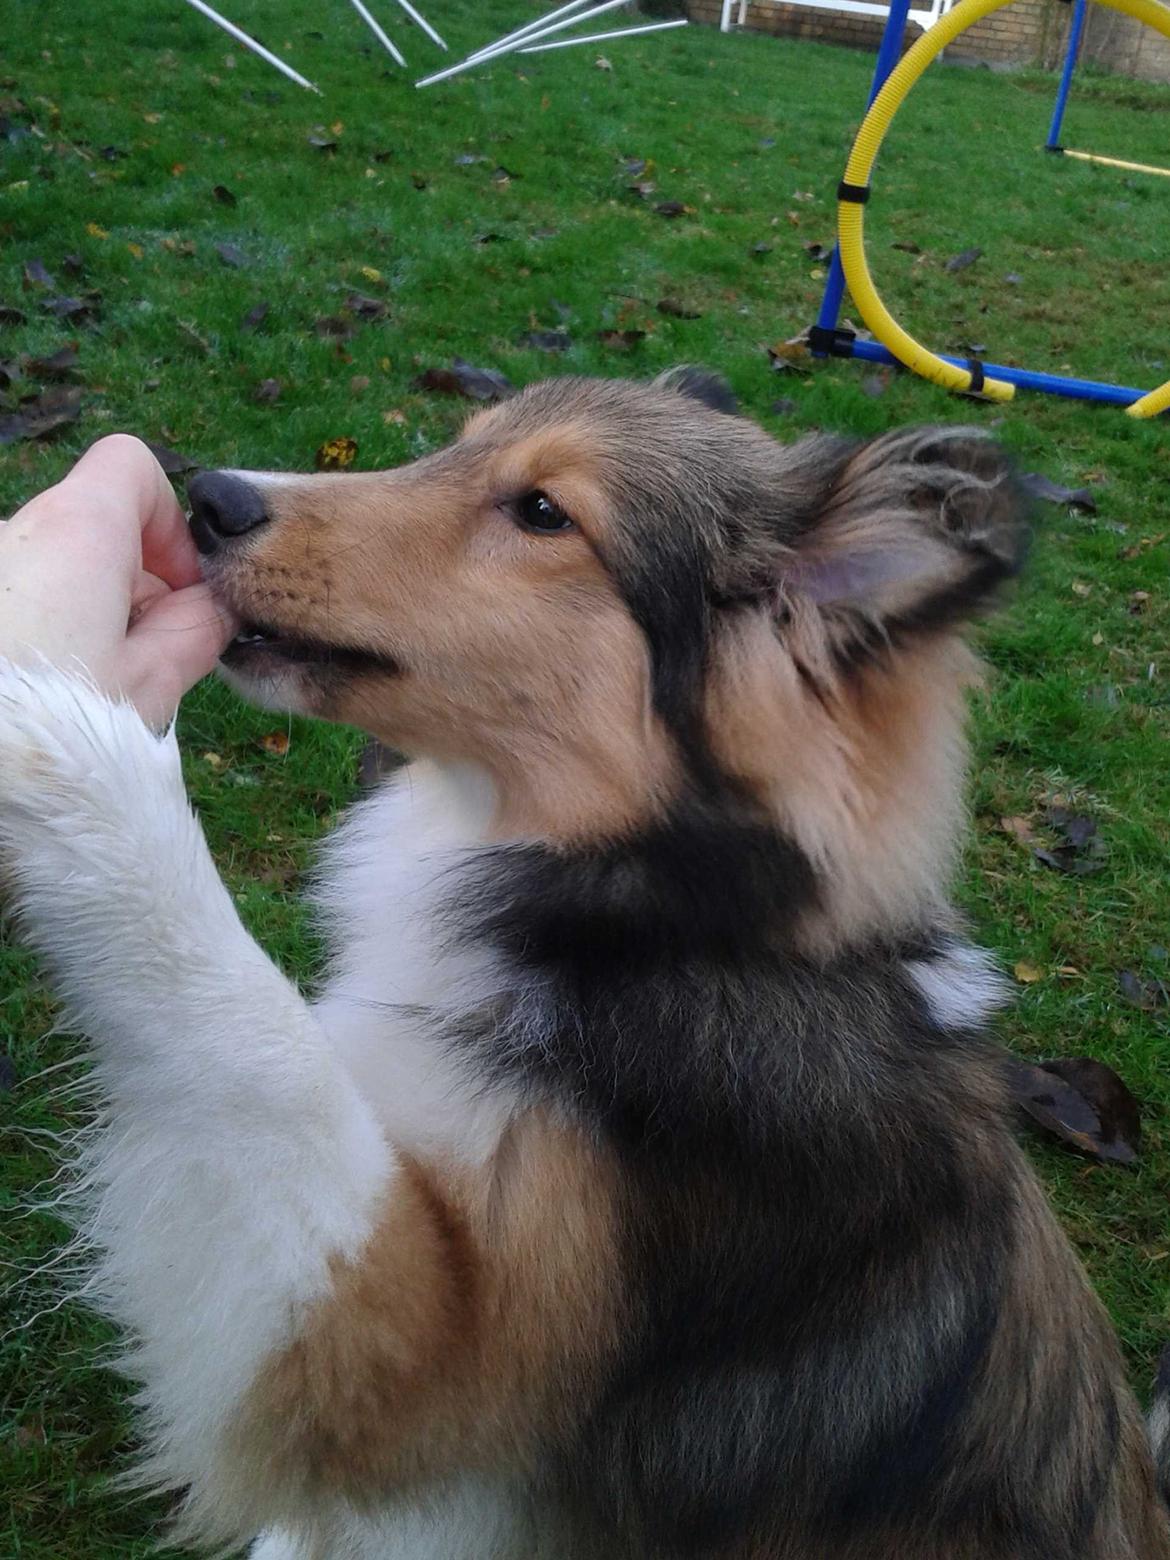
<point>99,575</point>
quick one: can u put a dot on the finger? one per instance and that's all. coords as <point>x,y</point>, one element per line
<point>119,480</point>
<point>146,590</point>
<point>176,641</point>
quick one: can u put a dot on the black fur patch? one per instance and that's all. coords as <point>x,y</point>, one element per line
<point>814,1276</point>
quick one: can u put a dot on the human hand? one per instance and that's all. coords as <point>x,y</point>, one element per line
<point>100,573</point>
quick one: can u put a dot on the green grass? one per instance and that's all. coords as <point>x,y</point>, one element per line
<point>751,133</point>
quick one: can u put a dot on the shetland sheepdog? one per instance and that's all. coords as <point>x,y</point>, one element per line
<point>641,1184</point>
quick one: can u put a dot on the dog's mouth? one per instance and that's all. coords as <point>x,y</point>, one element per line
<point>263,645</point>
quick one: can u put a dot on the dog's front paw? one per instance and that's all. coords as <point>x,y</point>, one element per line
<point>80,778</point>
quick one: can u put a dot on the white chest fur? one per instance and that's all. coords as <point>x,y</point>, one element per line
<point>393,972</point>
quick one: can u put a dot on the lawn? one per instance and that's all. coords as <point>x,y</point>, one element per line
<point>146,160</point>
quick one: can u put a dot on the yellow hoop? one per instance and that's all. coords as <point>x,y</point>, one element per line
<point>851,214</point>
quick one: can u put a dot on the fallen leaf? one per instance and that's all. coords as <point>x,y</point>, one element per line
<point>11,316</point>
<point>463,378</point>
<point>502,175</point>
<point>673,208</point>
<point>420,181</point>
<point>677,310</point>
<point>333,327</point>
<point>761,249</point>
<point>1020,830</point>
<point>112,153</point>
<point>1080,588</point>
<point>1082,1102</point>
<point>907,248</point>
<point>817,250</point>
<point>136,251</point>
<point>366,308</point>
<point>255,316</point>
<point>42,417</point>
<point>58,365</point>
<point>621,340</point>
<point>359,384</point>
<point>1039,486</point>
<point>785,354</point>
<point>643,189</point>
<point>174,464</point>
<point>1013,279</point>
<point>1078,829</point>
<point>35,275</point>
<point>267,390</point>
<point>601,63</point>
<point>1138,602</point>
<point>546,340</point>
<point>633,166</point>
<point>95,231</point>
<point>961,261</point>
<point>69,308</point>
<point>394,418</point>
<point>231,255</point>
<point>275,742</point>
<point>214,761</point>
<point>468,159</point>
<point>189,333</point>
<point>1026,973</point>
<point>1140,993</point>
<point>223,195</point>
<point>336,454</point>
<point>370,274</point>
<point>322,143</point>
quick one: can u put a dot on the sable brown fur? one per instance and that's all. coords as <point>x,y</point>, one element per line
<point>757,1270</point>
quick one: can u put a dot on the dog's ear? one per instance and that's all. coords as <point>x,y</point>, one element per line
<point>918,529</point>
<point>700,384</point>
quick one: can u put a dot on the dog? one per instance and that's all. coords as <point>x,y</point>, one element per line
<point>642,1182</point>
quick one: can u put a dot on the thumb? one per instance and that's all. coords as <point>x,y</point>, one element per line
<point>176,641</point>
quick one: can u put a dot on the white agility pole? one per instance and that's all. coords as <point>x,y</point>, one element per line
<point>529,27</point>
<point>422,22</point>
<point>499,50</point>
<point>622,32</point>
<point>250,43</point>
<point>372,24</point>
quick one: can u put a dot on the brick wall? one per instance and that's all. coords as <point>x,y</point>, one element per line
<point>1027,32</point>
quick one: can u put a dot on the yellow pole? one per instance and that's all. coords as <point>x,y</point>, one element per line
<point>1116,162</point>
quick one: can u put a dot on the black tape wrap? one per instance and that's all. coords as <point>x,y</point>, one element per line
<point>978,379</point>
<point>856,194</point>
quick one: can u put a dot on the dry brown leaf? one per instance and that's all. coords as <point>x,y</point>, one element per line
<point>1020,830</point>
<point>1027,973</point>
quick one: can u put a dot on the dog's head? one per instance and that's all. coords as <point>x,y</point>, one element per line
<point>606,592</point>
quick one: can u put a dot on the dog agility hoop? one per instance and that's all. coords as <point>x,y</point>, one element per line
<point>892,82</point>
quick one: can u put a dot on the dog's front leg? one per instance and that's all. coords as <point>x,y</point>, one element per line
<point>235,1165</point>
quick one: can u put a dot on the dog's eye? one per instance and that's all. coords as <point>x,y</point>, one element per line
<point>537,512</point>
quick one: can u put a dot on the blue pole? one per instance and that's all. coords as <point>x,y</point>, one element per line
<point>1051,384</point>
<point>889,53</point>
<point>1075,28</point>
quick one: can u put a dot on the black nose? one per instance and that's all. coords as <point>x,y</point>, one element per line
<point>222,506</point>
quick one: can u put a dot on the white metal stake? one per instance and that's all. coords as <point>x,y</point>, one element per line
<point>529,27</point>
<point>497,51</point>
<point>422,22</point>
<point>623,32</point>
<point>372,24</point>
<point>250,43</point>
